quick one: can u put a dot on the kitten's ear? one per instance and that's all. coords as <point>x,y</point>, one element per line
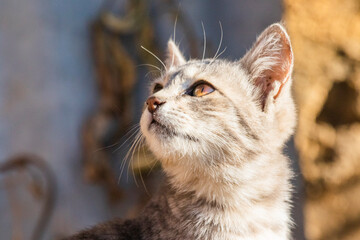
<point>270,62</point>
<point>174,56</point>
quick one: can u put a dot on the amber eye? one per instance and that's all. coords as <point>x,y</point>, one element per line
<point>202,90</point>
<point>157,87</point>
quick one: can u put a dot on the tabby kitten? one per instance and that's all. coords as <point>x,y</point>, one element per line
<point>218,128</point>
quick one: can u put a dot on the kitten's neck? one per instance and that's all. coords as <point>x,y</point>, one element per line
<point>236,200</point>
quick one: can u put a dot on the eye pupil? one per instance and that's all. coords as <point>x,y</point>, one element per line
<point>202,90</point>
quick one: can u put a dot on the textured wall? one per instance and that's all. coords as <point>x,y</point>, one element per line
<point>326,42</point>
<point>47,90</point>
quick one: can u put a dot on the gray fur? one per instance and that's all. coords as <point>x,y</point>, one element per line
<point>222,153</point>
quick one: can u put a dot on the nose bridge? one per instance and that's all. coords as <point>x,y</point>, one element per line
<point>167,93</point>
<point>161,95</point>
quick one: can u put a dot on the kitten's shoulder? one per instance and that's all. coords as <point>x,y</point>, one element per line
<point>115,229</point>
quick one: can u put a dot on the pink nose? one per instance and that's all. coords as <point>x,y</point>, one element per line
<point>153,103</point>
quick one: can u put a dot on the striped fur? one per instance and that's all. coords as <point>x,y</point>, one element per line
<point>222,153</point>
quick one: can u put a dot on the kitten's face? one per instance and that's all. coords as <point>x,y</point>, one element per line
<point>199,111</point>
<point>207,110</point>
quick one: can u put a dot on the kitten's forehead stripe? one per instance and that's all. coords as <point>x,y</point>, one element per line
<point>187,72</point>
<point>178,73</point>
<point>175,78</point>
<point>196,63</point>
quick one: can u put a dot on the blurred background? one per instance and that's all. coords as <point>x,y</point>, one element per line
<point>73,80</point>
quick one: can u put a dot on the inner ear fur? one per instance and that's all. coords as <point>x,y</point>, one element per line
<point>269,62</point>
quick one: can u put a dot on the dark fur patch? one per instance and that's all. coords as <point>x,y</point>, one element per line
<point>166,131</point>
<point>115,229</point>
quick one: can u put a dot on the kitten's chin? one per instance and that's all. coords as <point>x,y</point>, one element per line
<point>145,122</point>
<point>147,125</point>
<point>164,142</point>
<point>154,129</point>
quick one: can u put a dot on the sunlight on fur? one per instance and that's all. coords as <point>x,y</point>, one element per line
<point>218,129</point>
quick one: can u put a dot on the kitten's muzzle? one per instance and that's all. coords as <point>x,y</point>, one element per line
<point>153,103</point>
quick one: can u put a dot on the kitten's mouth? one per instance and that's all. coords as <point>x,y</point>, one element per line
<point>156,123</point>
<point>160,128</point>
<point>168,131</point>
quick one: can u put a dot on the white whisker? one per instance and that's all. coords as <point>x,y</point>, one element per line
<point>221,39</point>
<point>149,65</point>
<point>203,28</point>
<point>129,154</point>
<point>140,173</point>
<point>117,142</point>
<point>174,39</point>
<point>133,149</point>
<point>122,167</point>
<point>150,72</point>
<point>152,167</point>
<point>162,63</point>
<point>220,53</point>
<point>176,18</point>
<point>131,135</point>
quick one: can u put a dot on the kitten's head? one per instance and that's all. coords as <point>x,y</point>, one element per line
<point>202,111</point>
